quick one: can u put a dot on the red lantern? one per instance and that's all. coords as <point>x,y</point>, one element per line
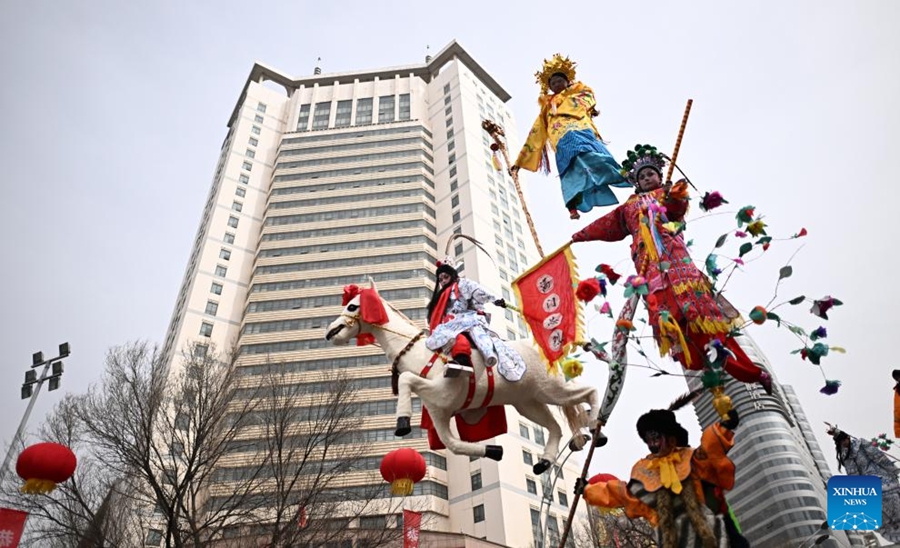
<point>402,468</point>
<point>43,465</point>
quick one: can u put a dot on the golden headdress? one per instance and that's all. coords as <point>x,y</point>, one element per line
<point>559,64</point>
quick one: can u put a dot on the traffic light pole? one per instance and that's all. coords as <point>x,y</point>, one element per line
<point>63,351</point>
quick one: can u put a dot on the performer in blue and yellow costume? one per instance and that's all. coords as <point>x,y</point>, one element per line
<point>565,125</point>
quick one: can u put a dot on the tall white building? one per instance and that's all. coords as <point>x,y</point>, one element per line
<point>327,179</point>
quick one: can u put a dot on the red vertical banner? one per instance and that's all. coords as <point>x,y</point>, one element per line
<point>12,523</point>
<point>412,522</point>
<point>546,293</point>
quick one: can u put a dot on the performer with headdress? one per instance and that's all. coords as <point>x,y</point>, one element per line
<point>688,321</point>
<point>565,124</point>
<point>457,320</point>
<point>678,489</point>
<point>860,457</point>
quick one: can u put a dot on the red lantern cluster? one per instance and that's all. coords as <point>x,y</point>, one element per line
<point>402,468</point>
<point>44,465</point>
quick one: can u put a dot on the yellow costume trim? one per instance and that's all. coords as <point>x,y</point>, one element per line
<point>648,239</point>
<point>690,285</point>
<point>668,476</point>
<point>555,64</point>
<point>713,327</point>
<point>670,326</point>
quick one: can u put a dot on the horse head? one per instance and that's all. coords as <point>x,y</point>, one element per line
<point>362,309</point>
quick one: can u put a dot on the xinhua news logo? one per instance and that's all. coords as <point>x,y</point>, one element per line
<point>854,503</point>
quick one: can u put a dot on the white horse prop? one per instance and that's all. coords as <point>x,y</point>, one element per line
<point>403,344</point>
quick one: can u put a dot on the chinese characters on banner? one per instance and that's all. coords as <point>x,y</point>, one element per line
<point>412,521</point>
<point>547,296</point>
<point>12,523</point>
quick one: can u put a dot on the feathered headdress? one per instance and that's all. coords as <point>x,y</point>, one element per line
<point>556,64</point>
<point>642,156</point>
<point>455,262</point>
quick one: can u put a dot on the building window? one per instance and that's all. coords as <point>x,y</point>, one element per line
<point>255,130</point>
<point>454,201</point>
<point>240,192</point>
<point>449,122</point>
<point>216,288</point>
<point>154,538</point>
<point>476,481</point>
<point>212,307</point>
<point>221,271</point>
<point>539,435</point>
<point>527,458</point>
<point>244,179</point>
<point>447,100</point>
<point>453,171</point>
<point>451,145</point>
<point>450,133</point>
<point>478,513</point>
<point>200,351</point>
<point>247,166</point>
<point>536,532</point>
<point>261,107</point>
<point>258,119</point>
<point>453,186</point>
<point>524,432</point>
<point>510,334</point>
<point>404,107</point>
<point>250,153</point>
<point>446,88</point>
<point>553,530</point>
<point>448,111</point>
<point>364,111</point>
<point>456,216</point>
<point>229,238</point>
<point>508,315</point>
<point>206,329</point>
<point>303,119</point>
<point>494,209</point>
<point>253,141</point>
<point>225,254</point>
<point>342,115</point>
<point>451,159</point>
<point>321,115</point>
<point>385,109</point>
<point>237,206</point>
<point>531,486</point>
<point>457,230</point>
<point>233,221</point>
<point>563,499</point>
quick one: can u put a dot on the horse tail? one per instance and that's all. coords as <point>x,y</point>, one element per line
<point>575,416</point>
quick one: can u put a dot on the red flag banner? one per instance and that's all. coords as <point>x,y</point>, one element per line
<point>546,293</point>
<point>412,522</point>
<point>12,523</point>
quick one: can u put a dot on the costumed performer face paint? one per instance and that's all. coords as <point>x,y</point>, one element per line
<point>648,179</point>
<point>557,83</point>
<point>657,443</point>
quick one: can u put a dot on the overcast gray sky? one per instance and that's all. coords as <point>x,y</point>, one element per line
<point>115,111</point>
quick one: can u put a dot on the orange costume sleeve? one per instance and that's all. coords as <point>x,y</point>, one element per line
<point>710,462</point>
<point>896,414</point>
<point>615,494</point>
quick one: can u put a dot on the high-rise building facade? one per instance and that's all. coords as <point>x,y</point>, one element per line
<point>326,180</point>
<point>779,496</point>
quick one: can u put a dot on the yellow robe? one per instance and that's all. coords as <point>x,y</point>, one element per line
<point>568,110</point>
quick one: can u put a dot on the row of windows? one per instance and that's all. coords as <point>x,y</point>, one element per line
<point>329,466</point>
<point>367,158</point>
<point>323,412</point>
<point>354,171</point>
<point>343,263</point>
<point>341,280</point>
<point>332,300</point>
<point>355,135</point>
<point>312,365</point>
<point>297,390</point>
<point>348,246</point>
<point>352,184</point>
<point>353,198</point>
<point>343,230</point>
<point>343,113</point>
<point>355,146</point>
<point>310,323</point>
<point>348,214</point>
<point>299,440</point>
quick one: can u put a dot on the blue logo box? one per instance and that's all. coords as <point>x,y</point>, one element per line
<point>854,503</point>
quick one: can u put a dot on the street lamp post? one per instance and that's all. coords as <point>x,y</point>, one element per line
<point>53,370</point>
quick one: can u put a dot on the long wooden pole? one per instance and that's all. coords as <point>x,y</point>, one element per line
<point>496,133</point>
<point>684,119</point>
